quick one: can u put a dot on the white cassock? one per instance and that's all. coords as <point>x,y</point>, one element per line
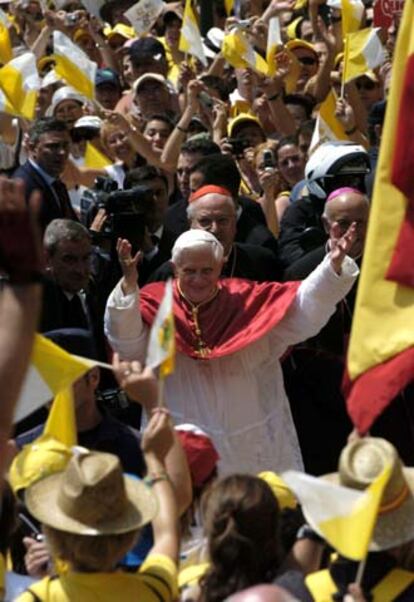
<point>239,399</point>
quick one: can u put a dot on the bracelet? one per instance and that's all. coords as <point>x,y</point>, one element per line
<point>351,131</point>
<point>181,129</point>
<point>155,477</point>
<point>274,97</point>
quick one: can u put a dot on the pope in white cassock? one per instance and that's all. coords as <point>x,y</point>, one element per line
<point>230,336</point>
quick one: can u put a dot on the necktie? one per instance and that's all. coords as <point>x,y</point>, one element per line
<point>76,316</point>
<point>63,198</point>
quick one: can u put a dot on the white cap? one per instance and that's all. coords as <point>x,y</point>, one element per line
<point>89,121</point>
<point>65,93</point>
<point>195,238</point>
<point>148,77</point>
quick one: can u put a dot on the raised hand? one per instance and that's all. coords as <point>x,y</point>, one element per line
<point>129,265</point>
<point>158,436</point>
<point>342,246</point>
<point>139,384</point>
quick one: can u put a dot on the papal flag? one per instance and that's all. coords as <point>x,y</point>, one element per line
<point>363,51</point>
<point>228,5</point>
<point>327,127</point>
<point>94,158</point>
<point>6,53</point>
<point>19,85</point>
<point>161,346</point>
<point>239,53</point>
<point>73,65</point>
<point>352,13</point>
<point>52,371</point>
<point>274,40</point>
<point>344,517</point>
<point>190,38</point>
<point>381,353</point>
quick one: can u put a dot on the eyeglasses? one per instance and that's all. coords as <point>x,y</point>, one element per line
<point>306,60</point>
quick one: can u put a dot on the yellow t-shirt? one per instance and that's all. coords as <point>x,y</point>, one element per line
<point>156,581</point>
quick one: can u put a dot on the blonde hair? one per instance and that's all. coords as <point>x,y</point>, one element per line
<point>89,553</point>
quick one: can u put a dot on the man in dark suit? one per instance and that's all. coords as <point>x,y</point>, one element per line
<point>49,142</point>
<point>159,240</point>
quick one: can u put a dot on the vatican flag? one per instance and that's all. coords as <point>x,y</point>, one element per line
<point>52,371</point>
<point>161,347</point>
<point>74,66</point>
<point>274,40</point>
<point>61,422</point>
<point>6,53</point>
<point>228,5</point>
<point>363,51</point>
<point>19,85</point>
<point>327,127</point>
<point>344,517</point>
<point>239,53</point>
<point>94,158</point>
<point>190,38</point>
<point>352,13</point>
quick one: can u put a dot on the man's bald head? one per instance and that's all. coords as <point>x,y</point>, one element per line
<point>216,213</point>
<point>263,593</point>
<point>343,208</point>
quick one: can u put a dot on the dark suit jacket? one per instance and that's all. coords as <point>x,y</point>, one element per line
<point>163,254</point>
<point>49,208</point>
<point>245,261</point>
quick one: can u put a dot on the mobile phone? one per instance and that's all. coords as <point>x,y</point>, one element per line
<point>206,100</point>
<point>268,159</point>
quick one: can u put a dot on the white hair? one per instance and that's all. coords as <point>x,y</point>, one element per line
<point>197,239</point>
<point>192,207</point>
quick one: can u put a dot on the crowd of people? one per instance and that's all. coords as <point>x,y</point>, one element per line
<point>219,177</point>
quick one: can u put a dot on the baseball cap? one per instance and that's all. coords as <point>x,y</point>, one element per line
<point>107,77</point>
<point>148,77</point>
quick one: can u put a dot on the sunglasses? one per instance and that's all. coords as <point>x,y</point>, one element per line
<point>307,60</point>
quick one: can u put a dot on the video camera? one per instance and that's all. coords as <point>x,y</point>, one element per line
<point>129,211</point>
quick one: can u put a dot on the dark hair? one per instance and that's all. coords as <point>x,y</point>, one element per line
<point>242,526</point>
<point>220,170</point>
<point>285,141</point>
<point>44,126</point>
<point>146,173</point>
<point>217,84</point>
<point>307,127</point>
<point>164,118</point>
<point>302,101</point>
<point>203,145</point>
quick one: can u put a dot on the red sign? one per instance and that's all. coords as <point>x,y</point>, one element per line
<point>384,10</point>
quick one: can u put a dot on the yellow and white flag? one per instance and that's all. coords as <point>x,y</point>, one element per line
<point>19,85</point>
<point>73,65</point>
<point>239,53</point>
<point>228,5</point>
<point>352,13</point>
<point>161,347</point>
<point>327,127</point>
<point>344,517</point>
<point>274,40</point>
<point>363,51</point>
<point>190,38</point>
<point>52,371</point>
<point>6,53</point>
<point>94,158</point>
<point>61,422</point>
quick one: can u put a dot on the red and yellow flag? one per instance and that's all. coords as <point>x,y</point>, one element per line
<point>381,352</point>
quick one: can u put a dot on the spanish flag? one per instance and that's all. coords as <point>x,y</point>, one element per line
<point>381,353</point>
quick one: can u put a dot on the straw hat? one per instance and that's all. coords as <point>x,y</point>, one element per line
<point>363,460</point>
<point>92,497</point>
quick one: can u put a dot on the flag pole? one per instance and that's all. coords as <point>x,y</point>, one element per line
<point>360,571</point>
<point>161,387</point>
<point>344,67</point>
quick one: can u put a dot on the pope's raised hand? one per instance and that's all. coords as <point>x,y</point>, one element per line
<point>341,247</point>
<point>129,265</point>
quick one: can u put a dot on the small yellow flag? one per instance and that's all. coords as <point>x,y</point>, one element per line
<point>61,422</point>
<point>94,158</point>
<point>6,53</point>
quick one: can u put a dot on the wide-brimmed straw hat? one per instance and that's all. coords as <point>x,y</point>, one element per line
<point>92,497</point>
<point>360,463</point>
